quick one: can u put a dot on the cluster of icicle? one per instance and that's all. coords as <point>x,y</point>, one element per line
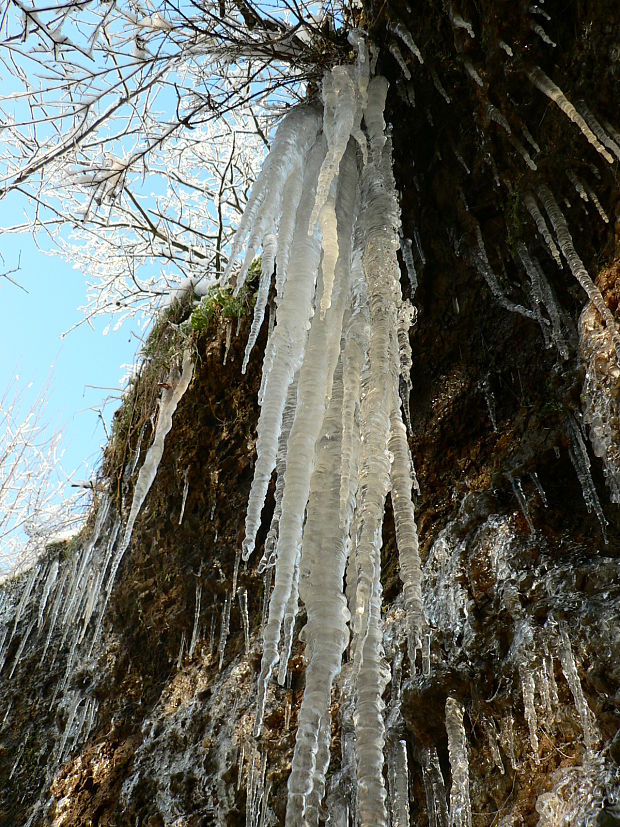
<point>61,604</point>
<point>324,211</point>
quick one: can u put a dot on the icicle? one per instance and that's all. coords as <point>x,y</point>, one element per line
<point>542,228</point>
<point>507,739</point>
<point>581,463</point>
<point>326,635</point>
<point>373,114</point>
<point>170,398</point>
<point>25,596</point>
<point>288,625</point>
<point>579,188</point>
<point>528,689</point>
<point>460,805</point>
<point>194,638</point>
<point>539,488</point>
<point>228,340</point>
<point>355,348</point>
<point>288,416</point>
<point>185,491</point>
<point>224,630</point>
<point>289,339</point>
<point>595,200</point>
<point>569,668</point>
<point>49,583</point>
<point>406,535</point>
<point>488,727</point>
<point>542,34</point>
<point>544,690</point>
<point>398,57</point>
<point>315,379</point>
<point>576,265</point>
<point>400,785</point>
<point>212,631</point>
<point>70,717</point>
<point>267,266</point>
<point>22,646</point>
<point>506,48</point>
<point>554,93</point>
<point>434,789</point>
<point>517,487</point>
<point>243,608</point>
<point>459,23</point>
<point>484,267</point>
<point>489,398</point>
<point>313,802</point>
<point>439,86</point>
<point>293,139</point>
<point>291,196</point>
<point>181,651</point>
<point>599,131</point>
<point>405,35</point>
<point>372,679</point>
<point>407,253</point>
<point>473,74</point>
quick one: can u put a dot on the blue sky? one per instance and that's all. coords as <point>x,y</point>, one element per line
<point>33,349</point>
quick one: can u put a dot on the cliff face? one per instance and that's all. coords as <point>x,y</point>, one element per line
<point>149,720</point>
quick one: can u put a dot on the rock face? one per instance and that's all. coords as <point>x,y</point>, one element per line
<point>142,714</point>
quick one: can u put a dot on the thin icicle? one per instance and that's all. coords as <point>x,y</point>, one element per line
<point>406,535</point>
<point>581,463</point>
<point>434,788</point>
<point>576,265</point>
<point>542,34</point>
<point>245,621</point>
<point>484,267</point>
<point>460,804</point>
<point>224,630</point>
<point>541,226</point>
<point>398,57</point>
<point>459,23</point>
<point>528,689</point>
<point>185,492</point>
<point>569,668</point>
<point>194,638</point>
<point>405,35</point>
<point>613,145</point>
<point>544,83</point>
<point>170,398</point>
<point>49,584</point>
<point>266,272</point>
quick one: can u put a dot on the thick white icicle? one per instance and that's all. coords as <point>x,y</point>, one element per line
<point>460,805</point>
<point>372,679</point>
<point>406,534</point>
<point>324,554</point>
<point>291,196</point>
<point>355,348</point>
<point>293,139</point>
<point>286,346</point>
<point>314,388</point>
<point>544,83</point>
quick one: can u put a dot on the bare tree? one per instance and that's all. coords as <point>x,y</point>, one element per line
<point>132,129</point>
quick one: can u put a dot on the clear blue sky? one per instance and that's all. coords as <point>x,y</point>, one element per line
<point>32,348</point>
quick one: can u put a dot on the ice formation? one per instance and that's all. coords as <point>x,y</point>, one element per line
<point>331,422</point>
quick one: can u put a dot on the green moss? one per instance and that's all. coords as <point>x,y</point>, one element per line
<point>220,303</point>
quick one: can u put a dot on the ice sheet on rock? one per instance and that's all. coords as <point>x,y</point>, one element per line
<point>286,346</point>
